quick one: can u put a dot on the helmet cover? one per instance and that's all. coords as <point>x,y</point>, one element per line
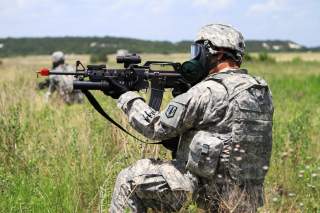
<point>57,56</point>
<point>223,36</point>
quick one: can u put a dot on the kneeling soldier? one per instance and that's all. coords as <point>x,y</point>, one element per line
<point>224,125</point>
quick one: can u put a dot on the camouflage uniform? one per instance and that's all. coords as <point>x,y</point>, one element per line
<point>224,123</point>
<point>225,128</point>
<point>64,86</point>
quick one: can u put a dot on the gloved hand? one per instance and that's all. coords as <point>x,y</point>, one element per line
<point>116,89</point>
<point>181,87</point>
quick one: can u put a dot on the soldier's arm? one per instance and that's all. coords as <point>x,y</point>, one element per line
<point>184,112</point>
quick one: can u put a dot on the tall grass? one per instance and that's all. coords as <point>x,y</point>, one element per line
<point>59,158</point>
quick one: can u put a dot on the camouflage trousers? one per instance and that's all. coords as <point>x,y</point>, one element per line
<point>159,185</point>
<point>225,197</point>
<point>76,96</point>
<point>165,186</point>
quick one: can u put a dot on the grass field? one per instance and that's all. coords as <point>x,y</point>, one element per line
<point>58,158</point>
<point>307,56</point>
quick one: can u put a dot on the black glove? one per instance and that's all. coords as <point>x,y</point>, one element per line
<point>116,89</point>
<point>172,145</point>
<point>181,87</point>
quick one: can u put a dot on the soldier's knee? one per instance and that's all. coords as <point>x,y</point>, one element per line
<point>143,162</point>
<point>123,176</point>
<point>138,167</point>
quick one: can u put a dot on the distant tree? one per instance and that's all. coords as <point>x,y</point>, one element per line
<point>297,60</point>
<point>265,57</point>
<point>99,57</point>
<point>108,45</point>
<point>248,58</point>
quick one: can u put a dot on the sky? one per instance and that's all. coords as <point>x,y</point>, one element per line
<point>172,20</point>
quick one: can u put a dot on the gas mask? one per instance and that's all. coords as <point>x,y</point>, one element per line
<point>197,68</point>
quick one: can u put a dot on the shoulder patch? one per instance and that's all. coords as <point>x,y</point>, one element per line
<point>171,110</point>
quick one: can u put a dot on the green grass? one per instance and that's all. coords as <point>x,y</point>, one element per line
<point>58,158</point>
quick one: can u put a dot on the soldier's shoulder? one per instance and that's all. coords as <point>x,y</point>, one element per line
<point>209,85</point>
<point>203,91</point>
<point>260,80</point>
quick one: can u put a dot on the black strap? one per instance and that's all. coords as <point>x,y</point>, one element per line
<point>98,107</point>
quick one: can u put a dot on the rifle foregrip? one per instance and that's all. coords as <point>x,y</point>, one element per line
<point>91,85</point>
<point>156,98</point>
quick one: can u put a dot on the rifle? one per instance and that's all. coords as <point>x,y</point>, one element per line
<point>134,76</point>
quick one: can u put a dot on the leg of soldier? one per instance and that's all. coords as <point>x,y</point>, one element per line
<point>152,184</point>
<point>77,97</point>
<point>66,97</point>
<point>240,199</point>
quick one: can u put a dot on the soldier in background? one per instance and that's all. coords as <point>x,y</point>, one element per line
<point>63,84</point>
<point>224,123</point>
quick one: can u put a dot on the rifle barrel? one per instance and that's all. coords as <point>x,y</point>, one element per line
<point>65,73</point>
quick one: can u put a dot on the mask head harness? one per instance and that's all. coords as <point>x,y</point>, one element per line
<point>203,60</point>
<point>200,63</point>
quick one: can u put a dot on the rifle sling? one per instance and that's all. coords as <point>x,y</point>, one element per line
<point>93,101</point>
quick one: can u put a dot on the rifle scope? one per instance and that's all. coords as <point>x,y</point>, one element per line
<point>129,59</point>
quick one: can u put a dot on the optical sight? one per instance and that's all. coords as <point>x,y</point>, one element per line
<point>129,59</point>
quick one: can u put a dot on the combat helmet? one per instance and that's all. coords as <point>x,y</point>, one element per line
<point>57,56</point>
<point>223,36</point>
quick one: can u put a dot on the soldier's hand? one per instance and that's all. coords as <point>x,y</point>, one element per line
<point>116,90</point>
<point>181,87</point>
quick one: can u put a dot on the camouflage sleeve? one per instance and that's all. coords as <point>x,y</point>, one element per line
<point>53,83</point>
<point>184,112</point>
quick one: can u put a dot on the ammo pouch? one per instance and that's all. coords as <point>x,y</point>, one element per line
<point>205,149</point>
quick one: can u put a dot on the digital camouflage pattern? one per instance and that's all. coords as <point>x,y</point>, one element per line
<point>223,36</point>
<point>162,185</point>
<point>221,122</point>
<point>251,109</point>
<point>63,84</point>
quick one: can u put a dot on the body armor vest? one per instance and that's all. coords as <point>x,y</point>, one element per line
<point>251,110</point>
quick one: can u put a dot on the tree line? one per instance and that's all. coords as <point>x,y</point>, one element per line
<point>109,45</point>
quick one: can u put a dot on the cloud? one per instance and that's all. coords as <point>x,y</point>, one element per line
<point>268,6</point>
<point>153,6</point>
<point>21,4</point>
<point>160,19</point>
<point>213,4</point>
<point>16,7</point>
